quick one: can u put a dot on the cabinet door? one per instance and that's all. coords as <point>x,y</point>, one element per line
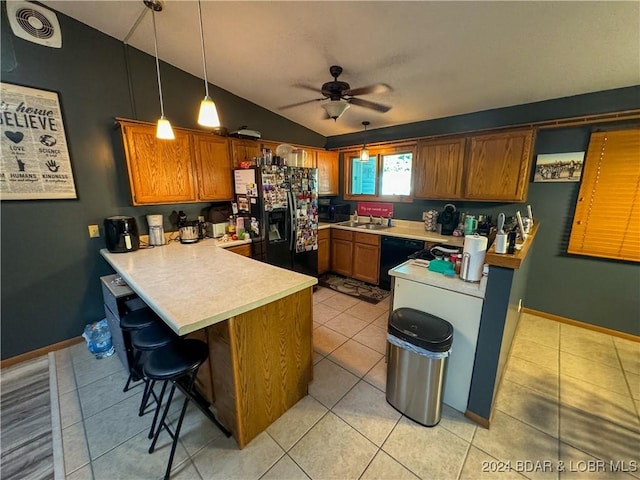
<point>244,250</point>
<point>244,150</point>
<point>324,251</point>
<point>438,169</point>
<point>366,262</point>
<point>214,167</point>
<point>498,166</point>
<point>160,171</point>
<point>341,256</point>
<point>327,172</point>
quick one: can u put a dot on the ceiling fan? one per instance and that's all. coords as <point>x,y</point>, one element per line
<point>341,96</point>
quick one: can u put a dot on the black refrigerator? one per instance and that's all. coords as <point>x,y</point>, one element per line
<point>284,202</point>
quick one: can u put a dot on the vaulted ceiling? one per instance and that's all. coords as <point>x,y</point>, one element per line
<point>439,58</point>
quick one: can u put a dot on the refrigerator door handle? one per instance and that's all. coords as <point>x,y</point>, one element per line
<point>292,224</point>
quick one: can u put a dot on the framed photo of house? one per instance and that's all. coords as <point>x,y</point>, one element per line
<point>559,167</point>
<point>35,162</point>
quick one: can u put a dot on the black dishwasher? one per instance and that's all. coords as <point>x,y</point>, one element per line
<point>393,252</point>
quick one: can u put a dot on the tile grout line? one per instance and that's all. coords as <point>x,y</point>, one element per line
<point>56,423</point>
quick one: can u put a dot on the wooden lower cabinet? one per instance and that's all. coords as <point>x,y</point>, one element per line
<point>342,252</point>
<point>244,250</point>
<point>324,250</point>
<point>366,257</point>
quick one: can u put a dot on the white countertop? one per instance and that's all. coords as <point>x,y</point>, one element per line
<point>192,286</point>
<point>411,270</point>
<point>403,229</point>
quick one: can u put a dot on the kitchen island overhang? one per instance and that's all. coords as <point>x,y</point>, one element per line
<point>256,318</point>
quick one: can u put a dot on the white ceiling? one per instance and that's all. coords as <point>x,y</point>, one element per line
<point>440,58</point>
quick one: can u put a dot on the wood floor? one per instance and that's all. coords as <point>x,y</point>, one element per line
<point>25,421</point>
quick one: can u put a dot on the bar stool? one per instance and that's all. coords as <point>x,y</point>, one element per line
<point>144,340</point>
<point>178,363</point>
<point>132,321</point>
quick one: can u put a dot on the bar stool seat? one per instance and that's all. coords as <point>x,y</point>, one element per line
<point>137,319</point>
<point>178,363</point>
<point>156,335</point>
<point>132,321</point>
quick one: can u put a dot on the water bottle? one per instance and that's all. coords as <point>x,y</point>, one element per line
<point>98,337</point>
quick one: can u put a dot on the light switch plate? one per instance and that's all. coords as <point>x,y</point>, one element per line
<point>94,231</point>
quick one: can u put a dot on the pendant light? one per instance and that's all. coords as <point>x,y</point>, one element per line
<point>163,130</point>
<point>364,153</point>
<point>208,116</point>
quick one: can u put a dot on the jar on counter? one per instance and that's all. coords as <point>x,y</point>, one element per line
<point>456,259</point>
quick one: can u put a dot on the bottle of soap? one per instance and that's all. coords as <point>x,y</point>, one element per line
<point>389,221</point>
<point>355,215</point>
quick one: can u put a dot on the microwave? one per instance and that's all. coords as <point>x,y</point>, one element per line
<point>337,212</point>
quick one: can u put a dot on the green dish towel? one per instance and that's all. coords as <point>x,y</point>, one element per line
<point>442,266</point>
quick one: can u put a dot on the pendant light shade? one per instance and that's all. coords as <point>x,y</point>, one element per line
<point>163,130</point>
<point>364,153</point>
<point>208,116</point>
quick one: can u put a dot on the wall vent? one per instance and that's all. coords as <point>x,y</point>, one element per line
<point>34,23</point>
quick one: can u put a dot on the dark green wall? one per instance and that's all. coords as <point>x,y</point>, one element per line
<point>596,291</point>
<point>50,268</point>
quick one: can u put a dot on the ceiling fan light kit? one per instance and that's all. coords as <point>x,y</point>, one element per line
<point>335,108</point>
<point>208,116</point>
<point>163,129</point>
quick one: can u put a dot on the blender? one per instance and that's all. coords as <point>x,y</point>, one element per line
<point>156,230</point>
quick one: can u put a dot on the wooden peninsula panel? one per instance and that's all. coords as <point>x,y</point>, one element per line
<point>261,364</point>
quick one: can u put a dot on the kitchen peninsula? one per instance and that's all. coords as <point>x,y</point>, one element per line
<point>256,318</point>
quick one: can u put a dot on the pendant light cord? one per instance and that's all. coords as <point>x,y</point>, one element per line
<point>155,40</point>
<point>204,58</point>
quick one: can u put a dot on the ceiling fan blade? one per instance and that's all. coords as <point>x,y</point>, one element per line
<point>307,87</point>
<point>301,103</point>
<point>367,104</point>
<point>375,88</point>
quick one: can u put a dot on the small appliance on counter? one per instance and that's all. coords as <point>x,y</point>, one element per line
<point>449,219</point>
<point>156,230</point>
<point>121,234</point>
<point>190,232</point>
<point>473,253</point>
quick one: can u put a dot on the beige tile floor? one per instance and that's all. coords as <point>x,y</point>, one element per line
<point>568,395</point>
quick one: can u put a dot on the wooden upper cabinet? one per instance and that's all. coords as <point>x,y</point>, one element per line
<point>498,166</point>
<point>160,171</point>
<point>438,169</point>
<point>244,150</point>
<point>328,171</point>
<point>214,167</point>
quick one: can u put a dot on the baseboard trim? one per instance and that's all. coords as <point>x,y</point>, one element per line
<point>576,323</point>
<point>483,422</point>
<point>23,357</point>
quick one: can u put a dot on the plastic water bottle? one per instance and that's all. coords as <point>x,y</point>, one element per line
<point>98,337</point>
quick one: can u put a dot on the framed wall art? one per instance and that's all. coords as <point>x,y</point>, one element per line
<point>559,167</point>
<point>35,161</point>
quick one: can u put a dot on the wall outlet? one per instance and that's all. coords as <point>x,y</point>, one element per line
<point>94,231</point>
<point>519,305</point>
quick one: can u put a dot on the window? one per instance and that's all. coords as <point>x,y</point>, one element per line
<point>606,221</point>
<point>385,176</point>
<point>363,175</point>
<point>396,173</point>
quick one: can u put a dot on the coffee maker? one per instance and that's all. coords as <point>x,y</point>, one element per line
<point>448,219</point>
<point>121,234</point>
<point>156,230</point>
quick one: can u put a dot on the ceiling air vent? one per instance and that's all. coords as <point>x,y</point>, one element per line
<point>34,23</point>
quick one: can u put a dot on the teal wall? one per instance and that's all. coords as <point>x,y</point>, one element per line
<point>50,268</point>
<point>592,290</point>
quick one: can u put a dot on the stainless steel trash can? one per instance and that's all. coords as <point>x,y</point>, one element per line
<point>418,347</point>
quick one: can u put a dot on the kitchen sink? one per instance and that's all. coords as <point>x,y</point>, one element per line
<point>351,224</point>
<point>372,226</point>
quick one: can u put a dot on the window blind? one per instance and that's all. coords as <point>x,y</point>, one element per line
<point>606,222</point>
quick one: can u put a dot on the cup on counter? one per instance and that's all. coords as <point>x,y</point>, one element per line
<point>501,243</point>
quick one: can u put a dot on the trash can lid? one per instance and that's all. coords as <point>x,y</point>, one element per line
<point>421,329</point>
